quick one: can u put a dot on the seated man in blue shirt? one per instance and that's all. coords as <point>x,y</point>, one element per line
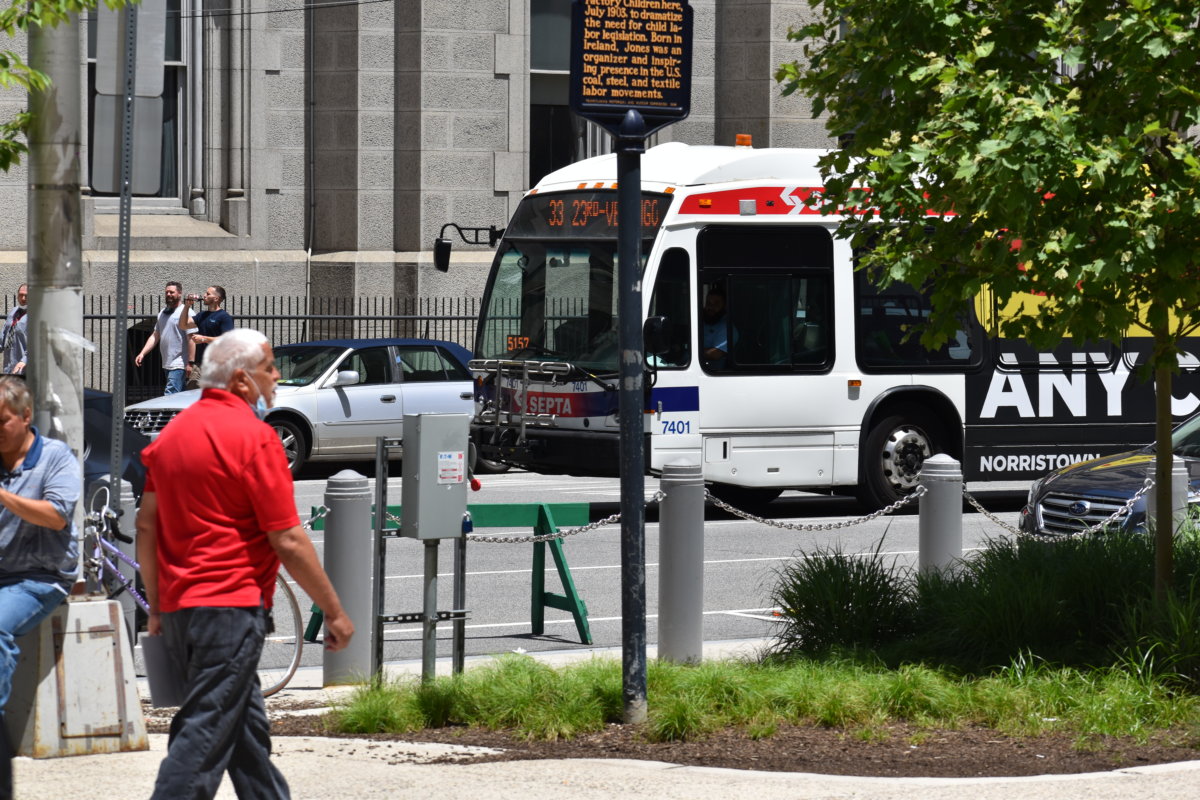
<point>715,333</point>
<point>40,484</point>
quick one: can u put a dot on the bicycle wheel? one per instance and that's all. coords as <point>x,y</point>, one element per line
<point>117,578</point>
<point>283,646</point>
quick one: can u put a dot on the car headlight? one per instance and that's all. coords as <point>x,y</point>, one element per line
<point>1035,489</point>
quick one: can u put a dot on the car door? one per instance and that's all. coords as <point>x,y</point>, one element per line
<point>433,382</point>
<point>349,418</point>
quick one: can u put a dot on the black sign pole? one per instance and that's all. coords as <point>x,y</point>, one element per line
<point>631,75</point>
<point>630,144</point>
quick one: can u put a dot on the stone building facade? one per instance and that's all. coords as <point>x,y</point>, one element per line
<point>320,149</point>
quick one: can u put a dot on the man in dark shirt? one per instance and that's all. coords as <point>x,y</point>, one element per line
<point>207,325</point>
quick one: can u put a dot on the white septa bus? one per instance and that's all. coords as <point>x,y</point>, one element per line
<point>806,379</point>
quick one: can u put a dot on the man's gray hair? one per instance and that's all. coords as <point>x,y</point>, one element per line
<point>240,348</point>
<point>15,395</point>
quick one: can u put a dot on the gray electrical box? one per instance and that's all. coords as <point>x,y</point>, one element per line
<point>434,475</point>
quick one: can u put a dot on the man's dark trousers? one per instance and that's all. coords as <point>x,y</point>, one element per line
<point>222,724</point>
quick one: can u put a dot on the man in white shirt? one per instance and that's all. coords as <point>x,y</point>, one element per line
<point>173,343</point>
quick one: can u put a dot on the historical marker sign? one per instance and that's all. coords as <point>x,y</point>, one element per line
<point>631,54</point>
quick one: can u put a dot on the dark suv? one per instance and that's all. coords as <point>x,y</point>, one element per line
<point>1079,496</point>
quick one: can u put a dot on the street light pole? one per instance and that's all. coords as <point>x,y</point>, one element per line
<point>54,247</point>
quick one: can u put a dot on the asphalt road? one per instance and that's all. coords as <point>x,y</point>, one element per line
<point>741,562</point>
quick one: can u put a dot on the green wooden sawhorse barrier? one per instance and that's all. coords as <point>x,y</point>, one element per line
<point>544,518</point>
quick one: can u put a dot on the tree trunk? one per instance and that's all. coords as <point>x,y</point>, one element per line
<point>1163,522</point>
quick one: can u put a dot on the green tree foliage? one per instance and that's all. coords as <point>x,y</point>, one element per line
<point>15,73</point>
<point>1043,148</point>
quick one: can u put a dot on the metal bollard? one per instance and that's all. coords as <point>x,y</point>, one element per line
<point>681,564</point>
<point>1179,495</point>
<point>351,550</point>
<point>939,539</point>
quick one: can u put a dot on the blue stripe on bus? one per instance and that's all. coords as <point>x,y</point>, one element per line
<point>675,398</point>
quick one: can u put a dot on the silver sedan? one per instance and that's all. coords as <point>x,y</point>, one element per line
<point>336,397</point>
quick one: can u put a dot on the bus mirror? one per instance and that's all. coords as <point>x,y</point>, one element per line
<point>441,254</point>
<point>654,336</point>
<point>441,245</point>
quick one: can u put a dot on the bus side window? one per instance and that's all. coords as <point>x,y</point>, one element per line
<point>671,299</point>
<point>888,325</point>
<point>779,321</point>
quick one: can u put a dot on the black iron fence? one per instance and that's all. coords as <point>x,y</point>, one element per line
<point>284,320</point>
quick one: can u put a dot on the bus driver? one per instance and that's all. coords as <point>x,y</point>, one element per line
<point>716,329</point>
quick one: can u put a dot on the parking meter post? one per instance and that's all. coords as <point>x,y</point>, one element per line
<point>939,539</point>
<point>349,550</point>
<point>681,563</point>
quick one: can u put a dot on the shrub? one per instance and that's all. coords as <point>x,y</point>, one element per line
<point>830,601</point>
<point>1078,602</point>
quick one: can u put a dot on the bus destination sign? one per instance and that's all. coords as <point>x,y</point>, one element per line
<point>631,54</point>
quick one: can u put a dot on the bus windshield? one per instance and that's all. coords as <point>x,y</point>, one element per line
<point>553,301</point>
<point>553,292</point>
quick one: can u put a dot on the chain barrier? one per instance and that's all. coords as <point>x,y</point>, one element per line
<point>600,523</point>
<point>979,507</point>
<point>657,497</point>
<point>709,497</point>
<point>547,537</point>
<point>320,513</point>
<point>816,526</point>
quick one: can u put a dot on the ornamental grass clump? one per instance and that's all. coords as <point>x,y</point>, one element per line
<point>831,601</point>
<point>1083,602</point>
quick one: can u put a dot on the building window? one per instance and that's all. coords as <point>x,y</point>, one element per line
<point>556,136</point>
<point>176,103</point>
<point>553,130</point>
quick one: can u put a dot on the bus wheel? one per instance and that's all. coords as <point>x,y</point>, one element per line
<point>744,498</point>
<point>891,461</point>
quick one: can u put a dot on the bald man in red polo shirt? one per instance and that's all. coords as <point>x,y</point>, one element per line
<point>209,557</point>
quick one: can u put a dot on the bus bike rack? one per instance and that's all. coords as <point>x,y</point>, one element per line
<point>499,368</point>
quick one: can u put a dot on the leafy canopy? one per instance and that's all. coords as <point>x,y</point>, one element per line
<point>1037,147</point>
<point>15,73</point>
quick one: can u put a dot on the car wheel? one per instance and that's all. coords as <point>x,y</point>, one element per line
<point>294,445</point>
<point>892,457</point>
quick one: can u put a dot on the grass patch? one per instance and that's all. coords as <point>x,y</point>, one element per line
<point>1023,638</point>
<point>689,702</point>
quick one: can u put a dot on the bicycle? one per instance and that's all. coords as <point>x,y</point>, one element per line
<point>115,572</point>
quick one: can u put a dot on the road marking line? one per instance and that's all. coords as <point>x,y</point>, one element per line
<point>649,565</point>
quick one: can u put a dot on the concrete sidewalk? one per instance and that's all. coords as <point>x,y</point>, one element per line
<point>328,769</point>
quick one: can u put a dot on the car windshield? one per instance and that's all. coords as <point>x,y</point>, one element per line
<point>300,365</point>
